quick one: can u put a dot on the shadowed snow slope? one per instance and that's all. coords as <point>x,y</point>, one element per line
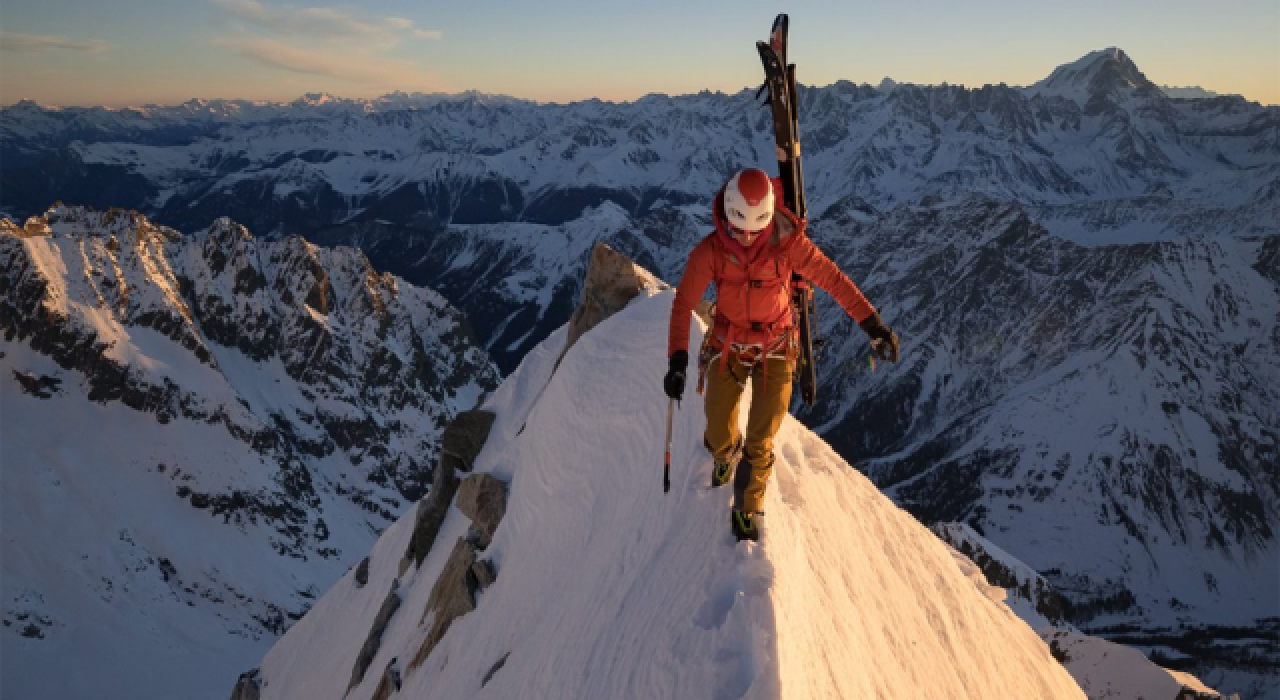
<point>608,588</point>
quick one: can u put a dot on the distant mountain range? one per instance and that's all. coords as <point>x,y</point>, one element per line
<point>1083,273</point>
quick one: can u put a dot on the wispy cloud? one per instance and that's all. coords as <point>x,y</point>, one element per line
<point>327,42</point>
<point>365,68</point>
<point>31,43</point>
<point>322,22</point>
<point>408,26</point>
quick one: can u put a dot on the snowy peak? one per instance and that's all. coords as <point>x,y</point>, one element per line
<point>1101,76</point>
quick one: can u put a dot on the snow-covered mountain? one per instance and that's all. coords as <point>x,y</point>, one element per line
<point>1126,391</point>
<point>200,434</point>
<point>847,596</point>
<point>599,585</point>
<point>1098,78</point>
<point>1095,149</point>
<point>1106,413</point>
<point>1083,273</point>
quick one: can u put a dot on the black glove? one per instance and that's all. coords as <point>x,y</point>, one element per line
<point>674,381</point>
<point>884,342</point>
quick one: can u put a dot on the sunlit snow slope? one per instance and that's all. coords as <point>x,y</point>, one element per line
<point>608,588</point>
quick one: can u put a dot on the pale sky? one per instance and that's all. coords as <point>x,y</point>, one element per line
<point>135,52</point>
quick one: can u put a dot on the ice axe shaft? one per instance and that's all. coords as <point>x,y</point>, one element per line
<point>666,464</point>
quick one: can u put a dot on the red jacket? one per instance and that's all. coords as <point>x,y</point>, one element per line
<point>753,289</point>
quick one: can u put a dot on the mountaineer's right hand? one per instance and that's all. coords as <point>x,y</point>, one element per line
<point>673,383</point>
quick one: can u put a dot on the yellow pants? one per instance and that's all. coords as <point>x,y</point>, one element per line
<point>771,394</point>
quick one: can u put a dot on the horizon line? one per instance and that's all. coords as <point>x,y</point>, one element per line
<point>463,94</point>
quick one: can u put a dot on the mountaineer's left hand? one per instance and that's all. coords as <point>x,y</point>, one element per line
<point>884,342</point>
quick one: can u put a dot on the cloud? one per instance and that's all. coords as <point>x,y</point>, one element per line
<point>327,42</point>
<point>30,43</point>
<point>407,25</point>
<point>360,67</point>
<point>322,22</point>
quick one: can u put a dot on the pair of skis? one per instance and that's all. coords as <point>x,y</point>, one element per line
<point>780,81</point>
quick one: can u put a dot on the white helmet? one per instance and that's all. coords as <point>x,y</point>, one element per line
<point>748,200</point>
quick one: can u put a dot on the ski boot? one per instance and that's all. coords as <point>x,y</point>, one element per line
<point>722,471</point>
<point>746,526</point>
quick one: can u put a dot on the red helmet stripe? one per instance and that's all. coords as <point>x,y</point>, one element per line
<point>754,186</point>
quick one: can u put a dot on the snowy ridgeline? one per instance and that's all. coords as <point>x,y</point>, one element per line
<point>1096,144</point>
<point>596,584</point>
<point>200,434</point>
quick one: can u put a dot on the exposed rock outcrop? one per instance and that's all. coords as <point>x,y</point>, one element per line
<point>465,437</point>
<point>452,597</point>
<point>246,686</point>
<point>612,281</point>
<point>390,681</point>
<point>483,498</point>
<point>43,387</point>
<point>362,572</point>
<point>493,670</point>
<point>371,644</point>
<point>460,445</point>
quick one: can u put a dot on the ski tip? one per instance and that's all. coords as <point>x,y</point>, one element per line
<point>778,34</point>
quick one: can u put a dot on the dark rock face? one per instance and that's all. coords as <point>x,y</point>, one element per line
<point>465,437</point>
<point>43,387</point>
<point>374,639</point>
<point>483,574</point>
<point>247,687</point>
<point>362,572</point>
<point>493,670</point>
<point>431,512</point>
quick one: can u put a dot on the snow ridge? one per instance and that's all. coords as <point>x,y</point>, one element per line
<point>606,587</point>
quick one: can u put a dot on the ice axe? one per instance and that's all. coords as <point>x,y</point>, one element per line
<point>666,465</point>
